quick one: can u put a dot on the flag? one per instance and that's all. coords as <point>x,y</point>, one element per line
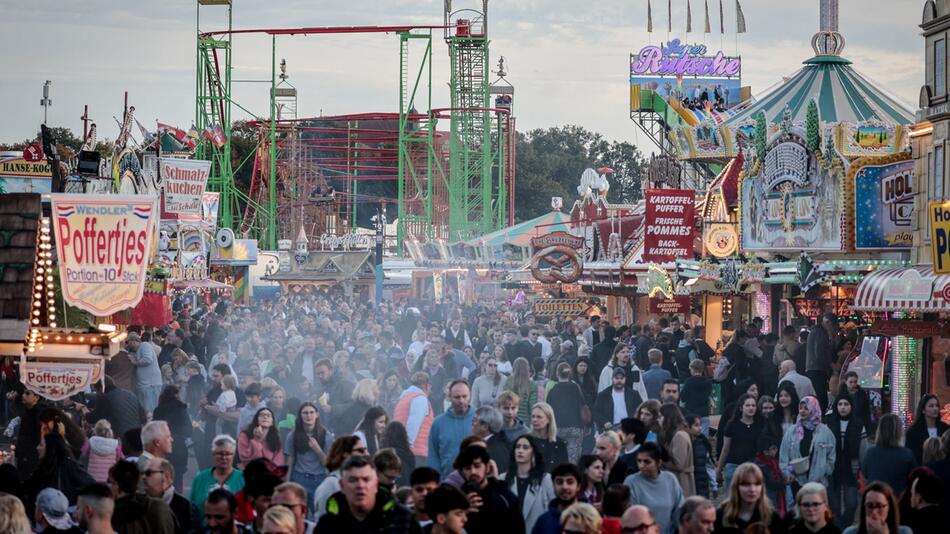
<point>179,134</point>
<point>147,136</point>
<point>649,17</point>
<point>215,134</point>
<point>708,28</point>
<point>689,17</point>
<point>722,19</point>
<point>669,16</point>
<point>740,18</point>
<point>193,132</point>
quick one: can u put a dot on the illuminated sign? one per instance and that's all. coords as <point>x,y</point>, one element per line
<point>58,381</point>
<point>676,58</point>
<point>884,205</point>
<point>939,213</point>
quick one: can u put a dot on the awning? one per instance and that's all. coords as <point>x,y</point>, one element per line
<point>911,289</point>
<point>205,284</point>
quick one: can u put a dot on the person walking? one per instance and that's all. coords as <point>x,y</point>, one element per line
<point>850,448</point>
<point>658,490</point>
<point>148,374</point>
<point>544,430</point>
<point>449,429</point>
<point>567,400</point>
<point>819,355</point>
<point>927,424</point>
<point>527,479</point>
<point>808,451</point>
<point>675,440</point>
<point>889,461</point>
<point>305,449</point>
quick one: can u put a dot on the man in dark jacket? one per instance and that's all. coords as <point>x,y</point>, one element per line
<point>122,371</point>
<point>136,512</point>
<point>498,510</point>
<point>362,506</point>
<point>118,406</point>
<point>28,436</point>
<point>567,484</point>
<point>487,425</point>
<point>336,396</point>
<point>819,354</point>
<point>158,480</point>
<point>601,353</point>
<point>604,407</point>
<point>861,401</point>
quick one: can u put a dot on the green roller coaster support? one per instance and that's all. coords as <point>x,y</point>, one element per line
<point>415,213</point>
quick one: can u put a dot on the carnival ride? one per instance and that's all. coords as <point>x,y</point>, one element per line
<point>448,185</point>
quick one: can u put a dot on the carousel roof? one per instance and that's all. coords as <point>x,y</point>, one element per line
<point>521,233</point>
<point>843,95</point>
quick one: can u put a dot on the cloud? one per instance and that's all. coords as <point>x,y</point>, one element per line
<point>568,59</point>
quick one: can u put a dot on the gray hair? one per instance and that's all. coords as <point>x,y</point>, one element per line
<point>692,505</point>
<point>222,441</point>
<point>152,431</point>
<point>490,417</point>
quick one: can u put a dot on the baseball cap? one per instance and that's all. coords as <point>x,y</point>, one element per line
<point>55,508</point>
<point>618,371</point>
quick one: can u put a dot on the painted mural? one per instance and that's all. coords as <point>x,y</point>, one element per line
<point>791,201</point>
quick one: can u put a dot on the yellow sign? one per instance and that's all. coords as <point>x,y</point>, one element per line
<point>559,307</point>
<point>939,214</point>
<point>721,239</point>
<point>17,166</point>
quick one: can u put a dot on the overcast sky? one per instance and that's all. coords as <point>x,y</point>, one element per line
<point>568,59</point>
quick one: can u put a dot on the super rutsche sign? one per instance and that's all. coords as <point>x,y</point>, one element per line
<point>104,245</point>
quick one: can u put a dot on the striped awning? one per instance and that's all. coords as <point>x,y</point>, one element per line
<point>912,289</point>
<point>843,95</point>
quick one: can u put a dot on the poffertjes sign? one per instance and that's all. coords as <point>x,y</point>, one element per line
<point>57,381</point>
<point>103,244</point>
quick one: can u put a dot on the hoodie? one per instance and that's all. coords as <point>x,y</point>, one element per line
<point>102,454</point>
<point>447,432</point>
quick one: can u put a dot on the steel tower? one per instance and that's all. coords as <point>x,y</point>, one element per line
<point>471,184</point>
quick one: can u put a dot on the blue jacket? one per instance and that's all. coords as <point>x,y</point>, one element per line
<point>447,432</point>
<point>653,379</point>
<point>549,522</point>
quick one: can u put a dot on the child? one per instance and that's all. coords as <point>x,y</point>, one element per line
<point>447,507</point>
<point>702,454</point>
<point>101,451</point>
<point>696,392</point>
<point>767,460</point>
<point>227,400</point>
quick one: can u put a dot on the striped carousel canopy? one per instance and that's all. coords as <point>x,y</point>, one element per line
<point>842,93</point>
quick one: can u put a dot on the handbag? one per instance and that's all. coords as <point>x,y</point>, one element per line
<point>801,466</point>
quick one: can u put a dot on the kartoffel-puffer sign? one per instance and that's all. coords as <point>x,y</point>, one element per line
<point>103,244</point>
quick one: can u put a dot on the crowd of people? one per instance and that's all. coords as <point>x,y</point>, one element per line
<point>315,414</point>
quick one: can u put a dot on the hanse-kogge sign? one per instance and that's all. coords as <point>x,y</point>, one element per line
<point>103,244</point>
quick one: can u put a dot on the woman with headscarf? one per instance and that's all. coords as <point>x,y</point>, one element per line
<point>850,447</point>
<point>808,453</point>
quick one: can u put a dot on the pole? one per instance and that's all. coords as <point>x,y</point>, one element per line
<point>380,237</point>
<point>271,229</point>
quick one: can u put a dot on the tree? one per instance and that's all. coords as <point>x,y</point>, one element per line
<point>761,134</point>
<point>812,127</point>
<point>550,163</point>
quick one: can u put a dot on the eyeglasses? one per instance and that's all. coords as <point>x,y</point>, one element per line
<point>223,453</point>
<point>643,527</point>
<point>493,365</point>
<point>811,504</point>
<point>875,505</point>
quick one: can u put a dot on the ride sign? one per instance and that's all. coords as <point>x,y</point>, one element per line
<point>104,245</point>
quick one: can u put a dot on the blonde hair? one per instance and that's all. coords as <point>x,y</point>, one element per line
<point>733,504</point>
<point>933,450</point>
<point>13,518</point>
<point>103,429</point>
<point>282,517</point>
<point>584,514</point>
<point>229,382</point>
<point>548,412</point>
<point>366,391</point>
<point>812,488</point>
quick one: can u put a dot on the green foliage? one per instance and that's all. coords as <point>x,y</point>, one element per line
<point>812,128</point>
<point>761,134</point>
<point>550,163</point>
<point>243,145</point>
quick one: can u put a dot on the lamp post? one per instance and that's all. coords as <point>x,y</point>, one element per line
<point>46,102</point>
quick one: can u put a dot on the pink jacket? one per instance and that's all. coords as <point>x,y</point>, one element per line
<point>250,449</point>
<point>101,454</point>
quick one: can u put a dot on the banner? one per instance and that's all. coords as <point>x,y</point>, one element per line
<point>183,184</point>
<point>103,246</point>
<point>669,306</point>
<point>884,205</point>
<point>57,381</point>
<point>210,202</point>
<point>668,234</point>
